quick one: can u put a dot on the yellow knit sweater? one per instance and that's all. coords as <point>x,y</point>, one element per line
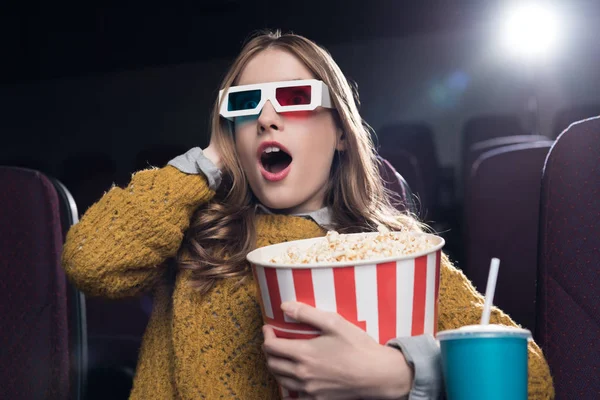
<point>209,347</point>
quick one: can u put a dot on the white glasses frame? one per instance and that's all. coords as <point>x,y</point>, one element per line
<point>319,97</point>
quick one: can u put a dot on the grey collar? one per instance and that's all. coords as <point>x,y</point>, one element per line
<point>321,216</point>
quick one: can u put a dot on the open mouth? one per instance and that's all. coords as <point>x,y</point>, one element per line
<point>275,159</point>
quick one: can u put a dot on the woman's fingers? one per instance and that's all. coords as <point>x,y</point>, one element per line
<point>325,321</point>
<point>282,366</point>
<point>289,383</point>
<point>284,348</point>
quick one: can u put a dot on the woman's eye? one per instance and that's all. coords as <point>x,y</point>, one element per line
<point>246,100</point>
<point>296,100</point>
<point>249,104</point>
<point>299,98</point>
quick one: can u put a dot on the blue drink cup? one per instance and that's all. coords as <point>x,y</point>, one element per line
<point>485,362</point>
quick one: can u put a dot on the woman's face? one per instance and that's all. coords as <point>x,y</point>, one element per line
<point>295,182</point>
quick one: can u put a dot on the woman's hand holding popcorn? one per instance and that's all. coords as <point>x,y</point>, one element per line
<point>343,363</point>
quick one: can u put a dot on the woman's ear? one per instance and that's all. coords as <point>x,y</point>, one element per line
<point>341,140</point>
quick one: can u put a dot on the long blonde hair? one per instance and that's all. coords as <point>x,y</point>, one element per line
<point>355,194</point>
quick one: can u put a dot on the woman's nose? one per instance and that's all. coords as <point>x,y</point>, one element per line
<point>269,119</point>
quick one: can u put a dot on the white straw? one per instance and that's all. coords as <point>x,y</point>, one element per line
<point>489,291</point>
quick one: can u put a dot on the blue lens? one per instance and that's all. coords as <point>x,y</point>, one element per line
<point>246,100</point>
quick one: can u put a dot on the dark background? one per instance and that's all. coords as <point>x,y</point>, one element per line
<point>41,42</point>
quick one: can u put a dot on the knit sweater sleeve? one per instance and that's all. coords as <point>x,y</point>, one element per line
<point>117,248</point>
<point>460,305</point>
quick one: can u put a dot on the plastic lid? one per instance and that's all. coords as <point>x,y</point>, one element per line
<point>487,331</point>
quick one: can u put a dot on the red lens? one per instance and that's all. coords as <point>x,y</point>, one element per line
<point>293,95</point>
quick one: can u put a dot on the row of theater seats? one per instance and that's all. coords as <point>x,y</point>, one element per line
<point>411,149</point>
<point>534,204</point>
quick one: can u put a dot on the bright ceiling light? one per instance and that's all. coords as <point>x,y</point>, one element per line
<point>530,30</point>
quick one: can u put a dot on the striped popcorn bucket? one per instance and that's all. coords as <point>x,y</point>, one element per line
<point>387,298</point>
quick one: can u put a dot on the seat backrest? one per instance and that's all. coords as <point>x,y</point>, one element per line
<point>568,327</point>
<point>416,139</point>
<point>41,356</point>
<point>566,117</point>
<point>478,148</point>
<point>501,210</point>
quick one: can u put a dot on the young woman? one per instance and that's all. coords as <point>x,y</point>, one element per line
<point>289,158</point>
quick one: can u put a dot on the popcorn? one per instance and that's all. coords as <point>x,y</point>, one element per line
<point>338,247</point>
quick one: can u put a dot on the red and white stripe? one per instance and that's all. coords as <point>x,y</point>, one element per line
<point>386,300</point>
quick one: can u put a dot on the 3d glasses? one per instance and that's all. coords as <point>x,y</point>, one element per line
<point>288,96</point>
